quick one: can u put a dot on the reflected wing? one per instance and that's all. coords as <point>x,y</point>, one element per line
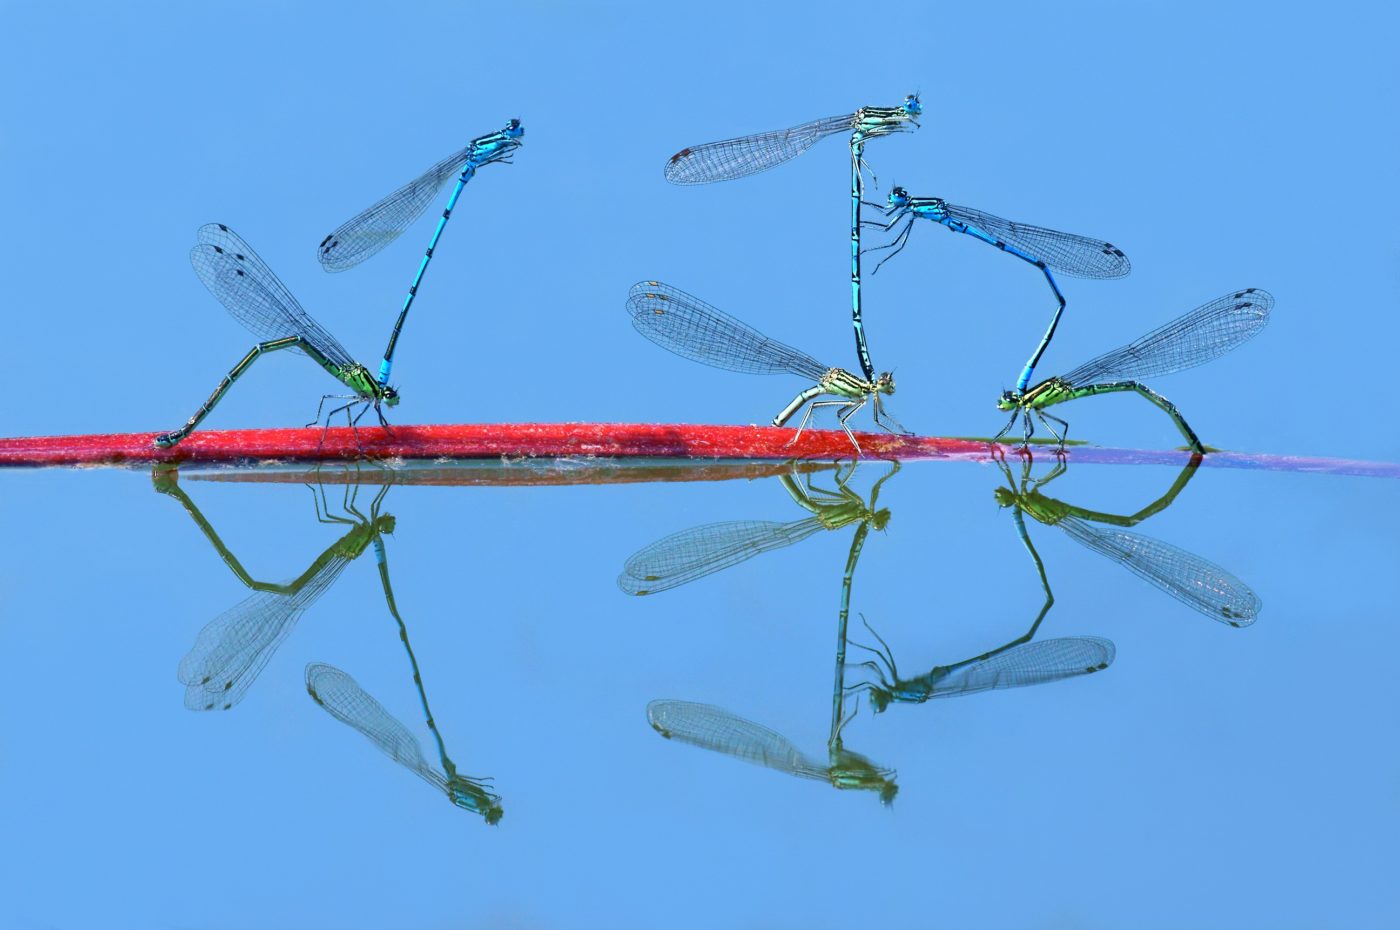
<point>1067,252</point>
<point>717,729</point>
<point>1201,585</point>
<point>737,158</point>
<point>232,649</point>
<point>344,699</point>
<point>703,550</point>
<point>375,227</point>
<point>1032,663</point>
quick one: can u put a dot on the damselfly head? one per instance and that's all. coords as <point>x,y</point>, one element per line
<point>1010,400</point>
<point>514,130</point>
<point>885,383</point>
<point>912,106</point>
<point>1006,497</point>
<point>389,396</point>
<point>386,524</point>
<point>899,197</point>
<point>879,698</point>
<point>470,796</point>
<point>880,519</point>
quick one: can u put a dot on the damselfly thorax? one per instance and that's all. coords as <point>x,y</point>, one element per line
<point>1045,394</point>
<point>364,383</point>
<point>872,122</point>
<point>841,382</point>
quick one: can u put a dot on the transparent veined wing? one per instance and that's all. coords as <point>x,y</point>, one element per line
<point>249,290</point>
<point>718,730</point>
<point>746,155</point>
<point>380,224</point>
<point>233,648</point>
<point>703,550</point>
<point>1033,663</point>
<point>1066,252</point>
<point>343,698</point>
<point>1205,333</point>
<point>1199,584</point>
<point>691,328</point>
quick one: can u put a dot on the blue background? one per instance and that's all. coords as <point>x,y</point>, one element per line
<point>1211,777</point>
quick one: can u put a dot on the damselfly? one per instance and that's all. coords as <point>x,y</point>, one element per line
<point>1205,333</point>
<point>1014,665</point>
<point>252,293</point>
<point>375,227</point>
<point>1046,249</point>
<point>737,158</point>
<point>699,551</point>
<point>343,698</point>
<point>691,328</point>
<point>718,730</point>
<point>1201,585</point>
<point>233,648</point>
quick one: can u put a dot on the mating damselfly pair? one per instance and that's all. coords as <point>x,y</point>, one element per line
<point>695,329</point>
<point>254,295</point>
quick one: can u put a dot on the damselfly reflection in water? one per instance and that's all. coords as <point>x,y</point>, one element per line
<point>719,730</point>
<point>703,550</point>
<point>1199,584</point>
<point>1016,664</point>
<point>344,699</point>
<point>232,651</point>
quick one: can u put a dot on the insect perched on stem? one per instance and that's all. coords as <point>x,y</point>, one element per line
<point>1205,333</point>
<point>691,328</point>
<point>1044,248</point>
<point>248,289</point>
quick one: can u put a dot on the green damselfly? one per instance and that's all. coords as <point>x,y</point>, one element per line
<point>232,650</point>
<point>343,698</point>
<point>699,551</point>
<point>1015,664</point>
<point>691,328</point>
<point>1205,333</point>
<point>719,730</point>
<point>1201,585</point>
<point>249,290</point>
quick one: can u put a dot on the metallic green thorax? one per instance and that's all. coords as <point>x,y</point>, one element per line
<point>363,382</point>
<point>1045,394</point>
<point>1057,390</point>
